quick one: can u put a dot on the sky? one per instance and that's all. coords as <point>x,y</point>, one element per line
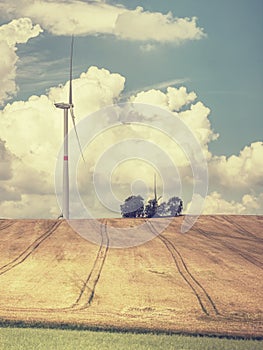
<point>201,61</point>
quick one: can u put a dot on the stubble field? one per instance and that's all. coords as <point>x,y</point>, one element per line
<point>205,281</point>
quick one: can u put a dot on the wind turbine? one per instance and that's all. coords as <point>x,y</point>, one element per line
<point>155,201</point>
<point>66,107</point>
<point>155,191</point>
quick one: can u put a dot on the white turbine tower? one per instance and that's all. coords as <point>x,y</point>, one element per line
<point>66,107</point>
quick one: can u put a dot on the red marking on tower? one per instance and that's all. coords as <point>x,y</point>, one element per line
<point>65,157</point>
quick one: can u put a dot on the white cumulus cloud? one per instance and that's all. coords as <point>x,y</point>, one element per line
<point>19,31</point>
<point>144,25</point>
<point>216,204</point>
<point>93,90</point>
<point>16,32</point>
<point>67,17</point>
<point>244,171</point>
<point>182,103</point>
<point>32,129</point>
<point>31,136</point>
<point>6,158</point>
<point>98,17</point>
<point>177,98</point>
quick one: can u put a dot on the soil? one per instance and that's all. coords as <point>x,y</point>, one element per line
<point>205,281</point>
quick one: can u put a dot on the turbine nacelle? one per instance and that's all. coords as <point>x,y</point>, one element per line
<point>63,105</point>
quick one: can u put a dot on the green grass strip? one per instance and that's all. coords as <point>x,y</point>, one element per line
<point>49,339</point>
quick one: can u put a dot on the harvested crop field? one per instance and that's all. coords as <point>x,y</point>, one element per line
<point>205,281</point>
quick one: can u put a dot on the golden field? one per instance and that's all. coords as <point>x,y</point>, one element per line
<point>205,281</point>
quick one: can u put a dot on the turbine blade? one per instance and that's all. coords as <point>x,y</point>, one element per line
<point>155,192</point>
<point>77,136</point>
<point>70,70</point>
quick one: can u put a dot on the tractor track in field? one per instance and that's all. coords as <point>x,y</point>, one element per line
<point>238,228</point>
<point>205,301</point>
<point>87,292</point>
<point>5,226</point>
<point>229,246</point>
<point>224,235</point>
<point>30,249</point>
